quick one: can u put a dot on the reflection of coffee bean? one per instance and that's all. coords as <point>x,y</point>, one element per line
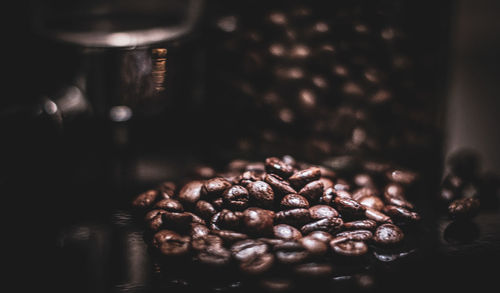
<point>464,208</point>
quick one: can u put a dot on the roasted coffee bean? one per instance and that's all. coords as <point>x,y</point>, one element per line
<point>237,165</point>
<point>214,188</point>
<point>190,193</point>
<point>321,236</point>
<point>198,231</point>
<point>293,217</point>
<point>363,192</point>
<point>278,167</point>
<point>388,234</point>
<point>327,197</point>
<point>312,190</point>
<point>318,212</point>
<point>170,243</point>
<point>360,225</point>
<point>349,248</point>
<point>402,176</point>
<point>377,216</point>
<point>176,221</point>
<point>205,209</point>
<point>166,189</point>
<point>313,269</point>
<point>203,172</point>
<point>349,207</point>
<point>154,219</point>
<point>225,219</point>
<point>401,213</point>
<point>294,201</point>
<point>217,203</point>
<point>314,246</point>
<point>256,166</point>
<point>259,264</point>
<point>394,190</point>
<point>261,194</point>
<point>342,185</point>
<point>170,205</point>
<point>464,208</point>
<point>202,242</point>
<point>290,252</point>
<point>400,203</point>
<point>330,225</point>
<point>145,199</point>
<point>373,202</point>
<point>214,255</point>
<point>196,219</point>
<point>301,178</point>
<point>364,180</point>
<point>358,235</point>
<point>287,232</point>
<point>327,183</point>
<point>279,186</point>
<point>250,176</point>
<point>247,249</point>
<point>229,236</point>
<point>258,221</point>
<point>236,197</point>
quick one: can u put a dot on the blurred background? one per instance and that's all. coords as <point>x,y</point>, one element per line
<point>103,99</point>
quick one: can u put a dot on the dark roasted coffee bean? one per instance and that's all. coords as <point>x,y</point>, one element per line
<point>360,225</point>
<point>217,203</point>
<point>327,173</point>
<point>202,242</point>
<point>358,235</point>
<point>247,249</point>
<point>464,208</point>
<point>287,232</point>
<point>314,246</point>
<point>170,205</point>
<point>388,234</point>
<point>363,192</point>
<point>293,217</point>
<point>364,180</point>
<point>402,176</point>
<point>166,189</point>
<point>342,185</point>
<point>170,243</point>
<point>401,213</point>
<point>251,176</point>
<point>215,255</point>
<point>278,167</point>
<point>196,219</point>
<point>230,236</point>
<point>349,207</point>
<point>236,197</point>
<point>349,248</point>
<point>327,183</point>
<point>318,212</point>
<point>377,216</point>
<point>203,172</point>
<point>400,203</point>
<point>225,219</point>
<point>279,186</point>
<point>190,193</point>
<point>321,236</point>
<point>261,194</point>
<point>258,221</point>
<point>313,269</point>
<point>145,199</point>
<point>373,202</point>
<point>312,190</point>
<point>330,225</point>
<point>301,178</point>
<point>176,221</point>
<point>205,209</point>
<point>290,252</point>
<point>198,231</point>
<point>327,197</point>
<point>214,188</point>
<point>294,201</point>
<point>154,219</point>
<point>259,264</point>
<point>256,166</point>
<point>394,190</point>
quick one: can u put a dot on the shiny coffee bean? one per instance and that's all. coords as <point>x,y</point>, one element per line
<point>287,232</point>
<point>279,186</point>
<point>377,216</point>
<point>170,205</point>
<point>312,190</point>
<point>400,203</point>
<point>236,197</point>
<point>327,197</point>
<point>214,255</point>
<point>290,252</point>
<point>364,180</point>
<point>198,231</point>
<point>313,269</point>
<point>342,185</point>
<point>170,243</point>
<point>225,219</point>
<point>363,192</point>
<point>360,225</point>
<point>166,189</point>
<point>330,225</point>
<point>202,242</point>
<point>214,188</point>
<point>301,178</point>
<point>373,202</point>
<point>250,176</point>
<point>402,176</point>
<point>247,249</point>
<point>196,219</point>
<point>349,248</point>
<point>318,212</point>
<point>278,167</point>
<point>349,207</point>
<point>191,192</point>
<point>293,217</point>
<point>321,236</point>
<point>261,194</point>
<point>145,199</point>
<point>394,190</point>
<point>464,208</point>
<point>205,209</point>
<point>388,234</point>
<point>258,221</point>
<point>327,183</point>
<point>154,219</point>
<point>358,235</point>
<point>259,264</point>
<point>400,213</point>
<point>229,236</point>
<point>177,221</point>
<point>314,246</point>
<point>217,203</point>
<point>294,201</point>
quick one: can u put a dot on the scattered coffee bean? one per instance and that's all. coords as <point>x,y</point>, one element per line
<point>145,199</point>
<point>261,194</point>
<point>388,234</point>
<point>294,201</point>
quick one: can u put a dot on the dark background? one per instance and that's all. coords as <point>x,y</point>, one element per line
<point>49,187</point>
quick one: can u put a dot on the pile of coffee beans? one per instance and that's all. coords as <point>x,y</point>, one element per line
<point>278,214</point>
